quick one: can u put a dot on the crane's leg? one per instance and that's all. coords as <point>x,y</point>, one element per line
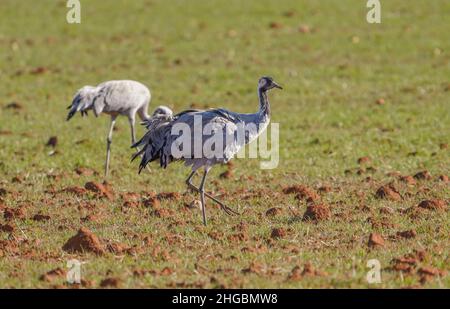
<point>224,207</point>
<point>108,144</point>
<point>133,133</point>
<point>202,195</point>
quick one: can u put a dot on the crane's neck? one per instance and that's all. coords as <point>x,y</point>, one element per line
<point>264,106</point>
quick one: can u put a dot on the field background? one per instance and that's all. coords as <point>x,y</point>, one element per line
<point>351,90</point>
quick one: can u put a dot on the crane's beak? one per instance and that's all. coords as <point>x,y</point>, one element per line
<point>275,85</point>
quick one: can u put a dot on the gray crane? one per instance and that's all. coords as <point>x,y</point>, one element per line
<point>116,97</point>
<point>158,142</point>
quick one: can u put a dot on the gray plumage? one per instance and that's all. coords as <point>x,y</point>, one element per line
<point>157,142</point>
<point>117,97</point>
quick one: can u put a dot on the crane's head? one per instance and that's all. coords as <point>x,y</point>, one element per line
<point>81,102</point>
<point>266,83</point>
<point>162,110</point>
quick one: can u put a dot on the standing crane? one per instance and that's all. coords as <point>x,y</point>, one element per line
<point>117,97</point>
<point>159,140</point>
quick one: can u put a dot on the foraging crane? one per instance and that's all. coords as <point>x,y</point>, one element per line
<point>159,140</point>
<point>117,97</point>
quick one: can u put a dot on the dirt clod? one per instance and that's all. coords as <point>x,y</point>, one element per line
<point>227,174</point>
<point>444,178</point>
<point>435,204</point>
<point>407,234</point>
<point>84,241</point>
<point>275,25</point>
<point>117,248</point>
<point>14,105</point>
<point>84,171</point>
<point>408,180</point>
<point>317,212</point>
<point>102,190</point>
<point>304,29</point>
<point>53,274</point>
<point>275,211</point>
<point>14,213</point>
<point>388,192</point>
<point>110,282</point>
<point>52,141</point>
<point>375,240</point>
<point>8,228</point>
<point>302,192</point>
<point>363,160</point>
<point>169,196</point>
<point>41,217</point>
<point>423,175</point>
<point>278,233</point>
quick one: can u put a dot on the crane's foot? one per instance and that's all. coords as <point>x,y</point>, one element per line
<point>224,207</point>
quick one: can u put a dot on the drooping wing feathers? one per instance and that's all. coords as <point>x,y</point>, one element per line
<point>157,142</point>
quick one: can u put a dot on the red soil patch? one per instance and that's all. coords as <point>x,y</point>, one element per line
<point>130,204</point>
<point>169,196</point>
<point>304,29</point>
<point>325,189</point>
<point>91,218</point>
<point>407,234</point>
<point>131,196</point>
<point>52,141</point>
<point>84,171</point>
<point>53,274</point>
<point>84,241</point>
<point>238,237</point>
<point>386,210</point>
<point>275,25</point>
<point>110,283</point>
<point>275,211</point>
<point>380,101</point>
<point>166,271</point>
<point>163,213</point>
<point>278,233</point>
<point>253,268</point>
<point>8,228</point>
<point>406,265</point>
<point>388,192</point>
<point>41,217</point>
<point>14,213</point>
<point>14,105</point>
<point>152,202</point>
<point>423,175</point>
<point>103,190</point>
<point>302,192</point>
<point>363,160</point>
<point>39,70</point>
<point>227,174</point>
<point>444,178</point>
<point>3,192</point>
<point>317,212</point>
<point>75,190</point>
<point>408,180</point>
<point>435,204</point>
<point>427,273</point>
<point>118,248</point>
<point>375,240</point>
<point>380,223</point>
<point>308,271</point>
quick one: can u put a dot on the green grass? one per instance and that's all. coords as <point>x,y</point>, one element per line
<point>211,54</point>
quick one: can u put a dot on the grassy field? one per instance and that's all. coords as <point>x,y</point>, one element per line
<point>352,90</point>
